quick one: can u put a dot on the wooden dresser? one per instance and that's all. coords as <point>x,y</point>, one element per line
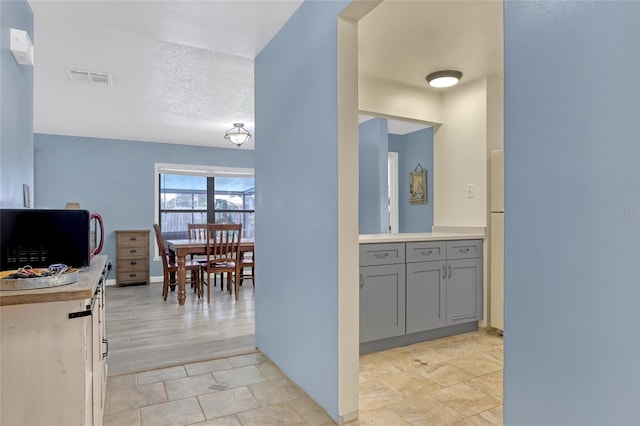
<point>132,257</point>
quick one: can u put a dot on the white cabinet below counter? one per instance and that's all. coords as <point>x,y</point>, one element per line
<point>53,350</point>
<point>418,290</point>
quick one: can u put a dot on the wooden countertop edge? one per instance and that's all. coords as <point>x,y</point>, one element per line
<point>23,299</point>
<point>83,289</point>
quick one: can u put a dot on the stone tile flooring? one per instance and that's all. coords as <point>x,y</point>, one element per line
<point>455,380</point>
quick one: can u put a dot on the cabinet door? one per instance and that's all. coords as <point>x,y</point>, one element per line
<point>464,290</point>
<point>426,296</point>
<point>382,302</point>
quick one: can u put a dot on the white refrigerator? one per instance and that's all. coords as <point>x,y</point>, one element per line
<point>497,240</point>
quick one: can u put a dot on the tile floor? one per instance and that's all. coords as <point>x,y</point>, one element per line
<point>455,380</point>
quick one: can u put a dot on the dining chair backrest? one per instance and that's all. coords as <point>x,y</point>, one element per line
<point>197,231</point>
<point>161,247</point>
<point>223,242</point>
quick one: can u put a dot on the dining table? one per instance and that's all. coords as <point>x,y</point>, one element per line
<point>184,247</point>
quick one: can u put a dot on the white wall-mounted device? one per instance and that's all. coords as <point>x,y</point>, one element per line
<point>21,46</point>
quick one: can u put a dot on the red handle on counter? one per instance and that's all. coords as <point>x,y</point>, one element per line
<point>101,225</point>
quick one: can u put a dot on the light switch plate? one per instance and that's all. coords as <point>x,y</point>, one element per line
<point>471,190</point>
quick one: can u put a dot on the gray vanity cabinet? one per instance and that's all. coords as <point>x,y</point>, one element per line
<point>414,291</point>
<point>382,291</point>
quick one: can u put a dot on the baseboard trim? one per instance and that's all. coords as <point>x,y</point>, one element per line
<point>112,281</point>
<point>349,417</point>
<point>410,339</point>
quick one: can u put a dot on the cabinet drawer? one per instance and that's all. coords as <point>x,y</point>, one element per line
<point>136,239</point>
<point>133,276</point>
<point>381,254</point>
<point>464,249</point>
<point>141,264</point>
<point>132,252</point>
<point>426,251</point>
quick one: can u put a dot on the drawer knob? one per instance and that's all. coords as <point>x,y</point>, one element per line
<point>426,252</point>
<point>133,263</point>
<point>464,250</point>
<point>133,275</point>
<point>381,255</point>
<point>133,239</point>
<point>132,251</point>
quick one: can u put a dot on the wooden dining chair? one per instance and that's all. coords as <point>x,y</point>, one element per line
<point>198,231</point>
<point>169,267</point>
<point>223,242</point>
<point>247,259</point>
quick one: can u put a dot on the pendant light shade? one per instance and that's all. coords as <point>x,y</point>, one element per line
<point>445,78</point>
<point>238,135</point>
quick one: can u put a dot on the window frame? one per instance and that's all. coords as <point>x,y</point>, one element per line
<point>190,170</point>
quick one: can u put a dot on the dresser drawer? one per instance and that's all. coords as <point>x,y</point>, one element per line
<point>425,251</point>
<point>381,254</point>
<point>464,249</point>
<point>133,265</point>
<point>136,239</point>
<point>132,252</point>
<point>133,276</point>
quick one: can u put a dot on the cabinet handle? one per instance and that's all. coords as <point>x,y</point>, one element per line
<point>381,255</point>
<point>105,354</point>
<point>444,272</point>
<point>133,263</point>
<point>133,275</point>
<point>132,238</point>
<point>450,272</point>
<point>133,251</point>
<point>361,281</point>
<point>464,250</point>
<point>426,252</point>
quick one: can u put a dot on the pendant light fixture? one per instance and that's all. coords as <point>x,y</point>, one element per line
<point>238,135</point>
<point>446,78</point>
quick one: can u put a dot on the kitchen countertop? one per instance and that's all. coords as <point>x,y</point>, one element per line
<point>422,236</point>
<point>82,289</point>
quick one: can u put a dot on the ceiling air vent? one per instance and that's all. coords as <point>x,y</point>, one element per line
<point>89,77</point>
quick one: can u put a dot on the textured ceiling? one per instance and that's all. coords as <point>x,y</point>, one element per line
<point>183,70</point>
<point>161,92</point>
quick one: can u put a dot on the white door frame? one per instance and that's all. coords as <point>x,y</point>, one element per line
<point>393,192</point>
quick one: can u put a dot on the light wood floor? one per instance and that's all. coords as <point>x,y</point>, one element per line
<point>146,332</point>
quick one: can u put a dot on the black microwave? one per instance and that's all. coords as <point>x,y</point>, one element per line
<point>42,237</point>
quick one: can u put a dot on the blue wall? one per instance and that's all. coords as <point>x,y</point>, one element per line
<point>16,109</point>
<point>115,178</point>
<point>373,210</point>
<point>572,213</point>
<point>414,148</point>
<point>296,109</point>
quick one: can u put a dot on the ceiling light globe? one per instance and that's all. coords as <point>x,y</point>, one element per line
<point>238,135</point>
<point>442,79</point>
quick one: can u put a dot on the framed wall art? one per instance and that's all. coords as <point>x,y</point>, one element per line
<point>418,186</point>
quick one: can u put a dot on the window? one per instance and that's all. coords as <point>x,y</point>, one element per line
<point>203,194</point>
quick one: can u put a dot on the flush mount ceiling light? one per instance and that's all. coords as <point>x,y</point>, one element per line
<point>238,135</point>
<point>445,78</point>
